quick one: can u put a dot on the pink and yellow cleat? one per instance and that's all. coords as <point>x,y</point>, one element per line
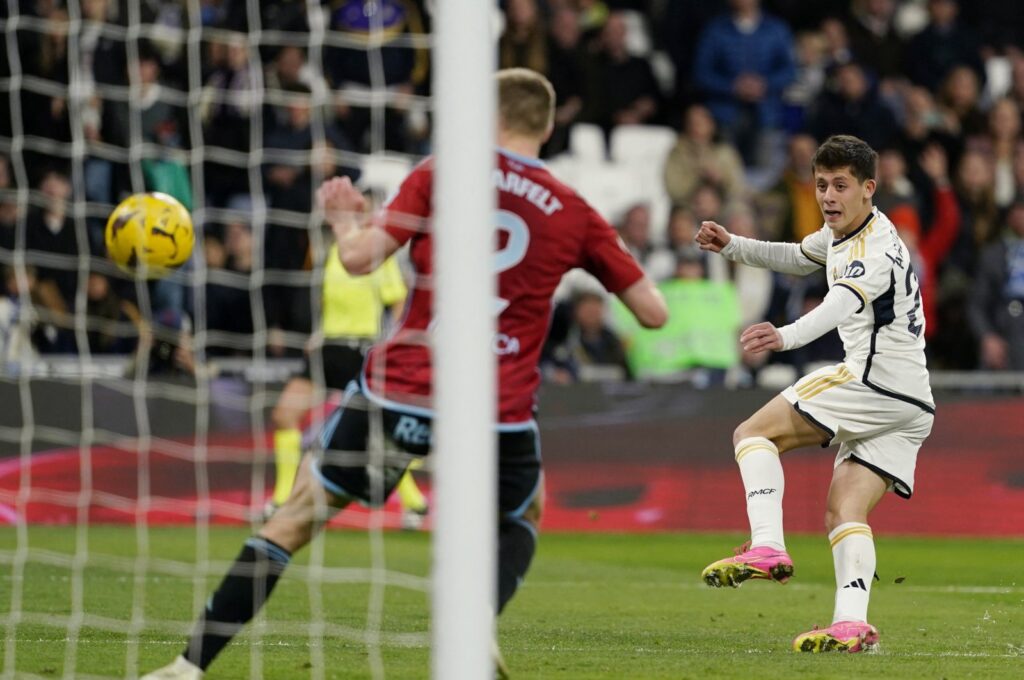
<point>761,562</point>
<point>842,636</point>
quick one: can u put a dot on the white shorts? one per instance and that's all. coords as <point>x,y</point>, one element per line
<point>879,432</point>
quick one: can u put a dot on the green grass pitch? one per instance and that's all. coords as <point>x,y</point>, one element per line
<point>593,606</point>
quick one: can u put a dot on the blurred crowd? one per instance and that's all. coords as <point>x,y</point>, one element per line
<point>261,113</point>
<point>752,87</point>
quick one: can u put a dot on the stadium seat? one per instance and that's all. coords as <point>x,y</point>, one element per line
<point>383,173</point>
<point>564,167</point>
<point>638,40</point>
<point>586,143</point>
<point>661,207</point>
<point>646,145</point>
<point>642,149</point>
<point>776,376</point>
<point>610,188</point>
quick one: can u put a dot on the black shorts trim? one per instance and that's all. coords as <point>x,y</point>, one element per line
<point>899,487</point>
<point>816,423</point>
<point>896,395</point>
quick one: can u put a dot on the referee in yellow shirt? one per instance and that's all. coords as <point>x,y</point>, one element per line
<point>353,310</point>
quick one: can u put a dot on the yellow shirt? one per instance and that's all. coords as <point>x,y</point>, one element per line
<point>354,305</point>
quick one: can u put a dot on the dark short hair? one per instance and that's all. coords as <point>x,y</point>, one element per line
<point>842,151</point>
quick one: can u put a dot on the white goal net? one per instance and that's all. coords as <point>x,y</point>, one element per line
<point>138,421</point>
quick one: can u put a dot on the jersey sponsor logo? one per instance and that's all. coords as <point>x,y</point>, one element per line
<point>411,431</point>
<point>854,270</point>
<point>760,492</point>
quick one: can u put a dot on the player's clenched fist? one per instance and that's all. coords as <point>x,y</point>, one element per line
<point>712,236</point>
<point>761,337</point>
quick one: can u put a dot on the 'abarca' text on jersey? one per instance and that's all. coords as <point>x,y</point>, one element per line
<point>884,340</point>
<point>543,229</point>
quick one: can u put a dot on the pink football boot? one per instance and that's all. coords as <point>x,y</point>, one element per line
<point>842,636</point>
<point>760,562</point>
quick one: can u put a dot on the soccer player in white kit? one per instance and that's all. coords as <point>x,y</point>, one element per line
<point>876,404</point>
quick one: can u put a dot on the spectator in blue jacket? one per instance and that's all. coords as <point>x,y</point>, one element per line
<point>744,62</point>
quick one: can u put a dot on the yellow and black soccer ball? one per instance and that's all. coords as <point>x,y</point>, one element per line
<point>150,235</point>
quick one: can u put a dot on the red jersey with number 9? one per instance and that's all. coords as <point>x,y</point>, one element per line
<point>544,229</point>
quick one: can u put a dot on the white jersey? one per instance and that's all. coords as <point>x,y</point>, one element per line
<point>884,340</point>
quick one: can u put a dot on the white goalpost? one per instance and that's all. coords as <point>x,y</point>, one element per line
<point>465,542</point>
<point>124,461</point>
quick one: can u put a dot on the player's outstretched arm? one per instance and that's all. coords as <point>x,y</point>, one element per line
<point>361,250</point>
<point>787,258</point>
<point>840,304</point>
<point>646,303</point>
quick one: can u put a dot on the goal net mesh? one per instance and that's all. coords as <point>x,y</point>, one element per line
<point>136,433</point>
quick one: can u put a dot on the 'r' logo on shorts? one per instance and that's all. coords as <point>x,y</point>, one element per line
<point>411,431</point>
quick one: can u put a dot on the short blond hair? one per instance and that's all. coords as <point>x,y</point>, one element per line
<point>526,102</point>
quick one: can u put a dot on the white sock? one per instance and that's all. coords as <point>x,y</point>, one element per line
<point>763,484</point>
<point>853,551</point>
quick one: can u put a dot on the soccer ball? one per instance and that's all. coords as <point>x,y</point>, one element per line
<point>150,235</point>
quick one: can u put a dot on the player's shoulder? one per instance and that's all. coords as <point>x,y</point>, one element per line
<point>537,171</point>
<point>421,176</point>
<point>882,227</point>
<point>883,236</point>
<point>815,246</point>
<point>425,167</point>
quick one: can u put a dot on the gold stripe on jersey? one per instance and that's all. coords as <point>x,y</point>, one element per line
<point>866,229</point>
<point>862,530</point>
<point>764,446</point>
<point>816,387</point>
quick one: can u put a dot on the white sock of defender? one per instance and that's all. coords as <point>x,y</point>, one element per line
<point>853,551</point>
<point>763,484</point>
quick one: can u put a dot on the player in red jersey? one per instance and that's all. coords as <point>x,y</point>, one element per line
<point>545,229</point>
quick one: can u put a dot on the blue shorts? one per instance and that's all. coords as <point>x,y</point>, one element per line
<point>344,467</point>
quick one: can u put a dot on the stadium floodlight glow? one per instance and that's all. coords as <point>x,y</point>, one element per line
<point>464,548</point>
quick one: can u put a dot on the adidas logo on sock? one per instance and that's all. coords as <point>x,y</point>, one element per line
<point>856,583</point>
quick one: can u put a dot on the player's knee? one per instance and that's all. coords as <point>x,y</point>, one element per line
<point>831,519</point>
<point>841,513</point>
<point>745,430</point>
